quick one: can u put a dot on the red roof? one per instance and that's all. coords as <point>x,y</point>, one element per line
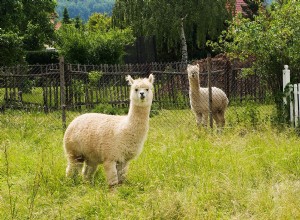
<point>57,25</point>
<point>238,5</point>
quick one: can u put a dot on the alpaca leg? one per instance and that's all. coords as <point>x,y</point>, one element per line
<point>73,168</point>
<point>199,119</point>
<point>218,122</point>
<point>122,168</point>
<point>205,119</point>
<point>110,168</point>
<point>75,164</point>
<point>216,118</point>
<point>221,119</point>
<point>88,171</point>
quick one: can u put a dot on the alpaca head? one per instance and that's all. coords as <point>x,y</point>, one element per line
<point>193,71</point>
<point>141,93</point>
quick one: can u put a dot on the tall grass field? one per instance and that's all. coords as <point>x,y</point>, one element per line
<point>251,170</point>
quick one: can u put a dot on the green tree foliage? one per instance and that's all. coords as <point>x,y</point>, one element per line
<point>84,8</point>
<point>66,17</point>
<point>11,51</point>
<point>162,18</point>
<point>272,38</point>
<point>93,46</point>
<point>36,15</point>
<point>9,11</point>
<point>78,22</point>
<point>30,21</point>
<point>72,44</point>
<point>98,21</point>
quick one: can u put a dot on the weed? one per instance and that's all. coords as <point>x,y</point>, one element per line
<point>11,198</point>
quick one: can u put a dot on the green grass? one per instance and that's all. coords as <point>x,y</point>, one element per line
<point>246,172</point>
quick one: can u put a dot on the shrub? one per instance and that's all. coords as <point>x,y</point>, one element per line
<point>11,51</point>
<point>42,57</point>
<point>93,47</point>
<point>272,39</point>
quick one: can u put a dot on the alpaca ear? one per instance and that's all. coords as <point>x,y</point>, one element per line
<point>151,78</point>
<point>129,79</point>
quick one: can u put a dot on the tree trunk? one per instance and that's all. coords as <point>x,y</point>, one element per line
<point>184,52</point>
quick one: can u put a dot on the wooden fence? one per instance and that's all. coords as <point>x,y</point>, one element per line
<point>291,98</point>
<point>84,86</point>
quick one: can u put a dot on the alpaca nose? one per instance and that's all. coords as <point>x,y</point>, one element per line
<point>142,95</point>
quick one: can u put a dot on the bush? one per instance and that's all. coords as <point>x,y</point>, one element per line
<point>11,51</point>
<point>272,39</point>
<point>94,78</point>
<point>92,47</point>
<point>42,57</point>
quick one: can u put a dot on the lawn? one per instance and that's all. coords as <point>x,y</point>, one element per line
<point>249,171</point>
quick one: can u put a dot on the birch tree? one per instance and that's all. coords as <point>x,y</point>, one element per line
<point>203,19</point>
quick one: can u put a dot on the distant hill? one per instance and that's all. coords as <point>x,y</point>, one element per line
<point>84,8</point>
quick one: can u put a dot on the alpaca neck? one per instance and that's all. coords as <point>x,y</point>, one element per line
<point>138,115</point>
<point>195,87</point>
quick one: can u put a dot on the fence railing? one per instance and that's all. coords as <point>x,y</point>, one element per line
<point>76,87</point>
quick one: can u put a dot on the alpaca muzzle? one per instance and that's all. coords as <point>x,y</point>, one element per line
<point>142,95</point>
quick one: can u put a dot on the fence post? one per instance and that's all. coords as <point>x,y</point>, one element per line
<point>298,99</point>
<point>209,89</point>
<point>62,91</point>
<point>288,93</point>
<point>285,80</point>
<point>296,110</point>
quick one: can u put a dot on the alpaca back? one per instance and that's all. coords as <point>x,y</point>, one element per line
<point>219,98</point>
<point>104,137</point>
<point>199,99</point>
<point>89,133</point>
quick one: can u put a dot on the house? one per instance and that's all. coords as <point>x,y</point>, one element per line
<point>240,3</point>
<point>238,6</point>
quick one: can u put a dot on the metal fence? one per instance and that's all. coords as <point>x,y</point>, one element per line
<point>76,88</point>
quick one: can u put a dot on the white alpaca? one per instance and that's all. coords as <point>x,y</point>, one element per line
<point>199,99</point>
<point>111,140</point>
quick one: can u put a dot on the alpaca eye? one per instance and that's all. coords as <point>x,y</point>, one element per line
<point>147,90</point>
<point>136,90</point>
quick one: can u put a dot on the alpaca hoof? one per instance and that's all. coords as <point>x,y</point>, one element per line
<point>121,182</point>
<point>112,187</point>
<point>113,184</point>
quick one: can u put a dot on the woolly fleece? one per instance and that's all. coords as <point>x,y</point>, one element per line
<point>111,140</point>
<point>199,99</point>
